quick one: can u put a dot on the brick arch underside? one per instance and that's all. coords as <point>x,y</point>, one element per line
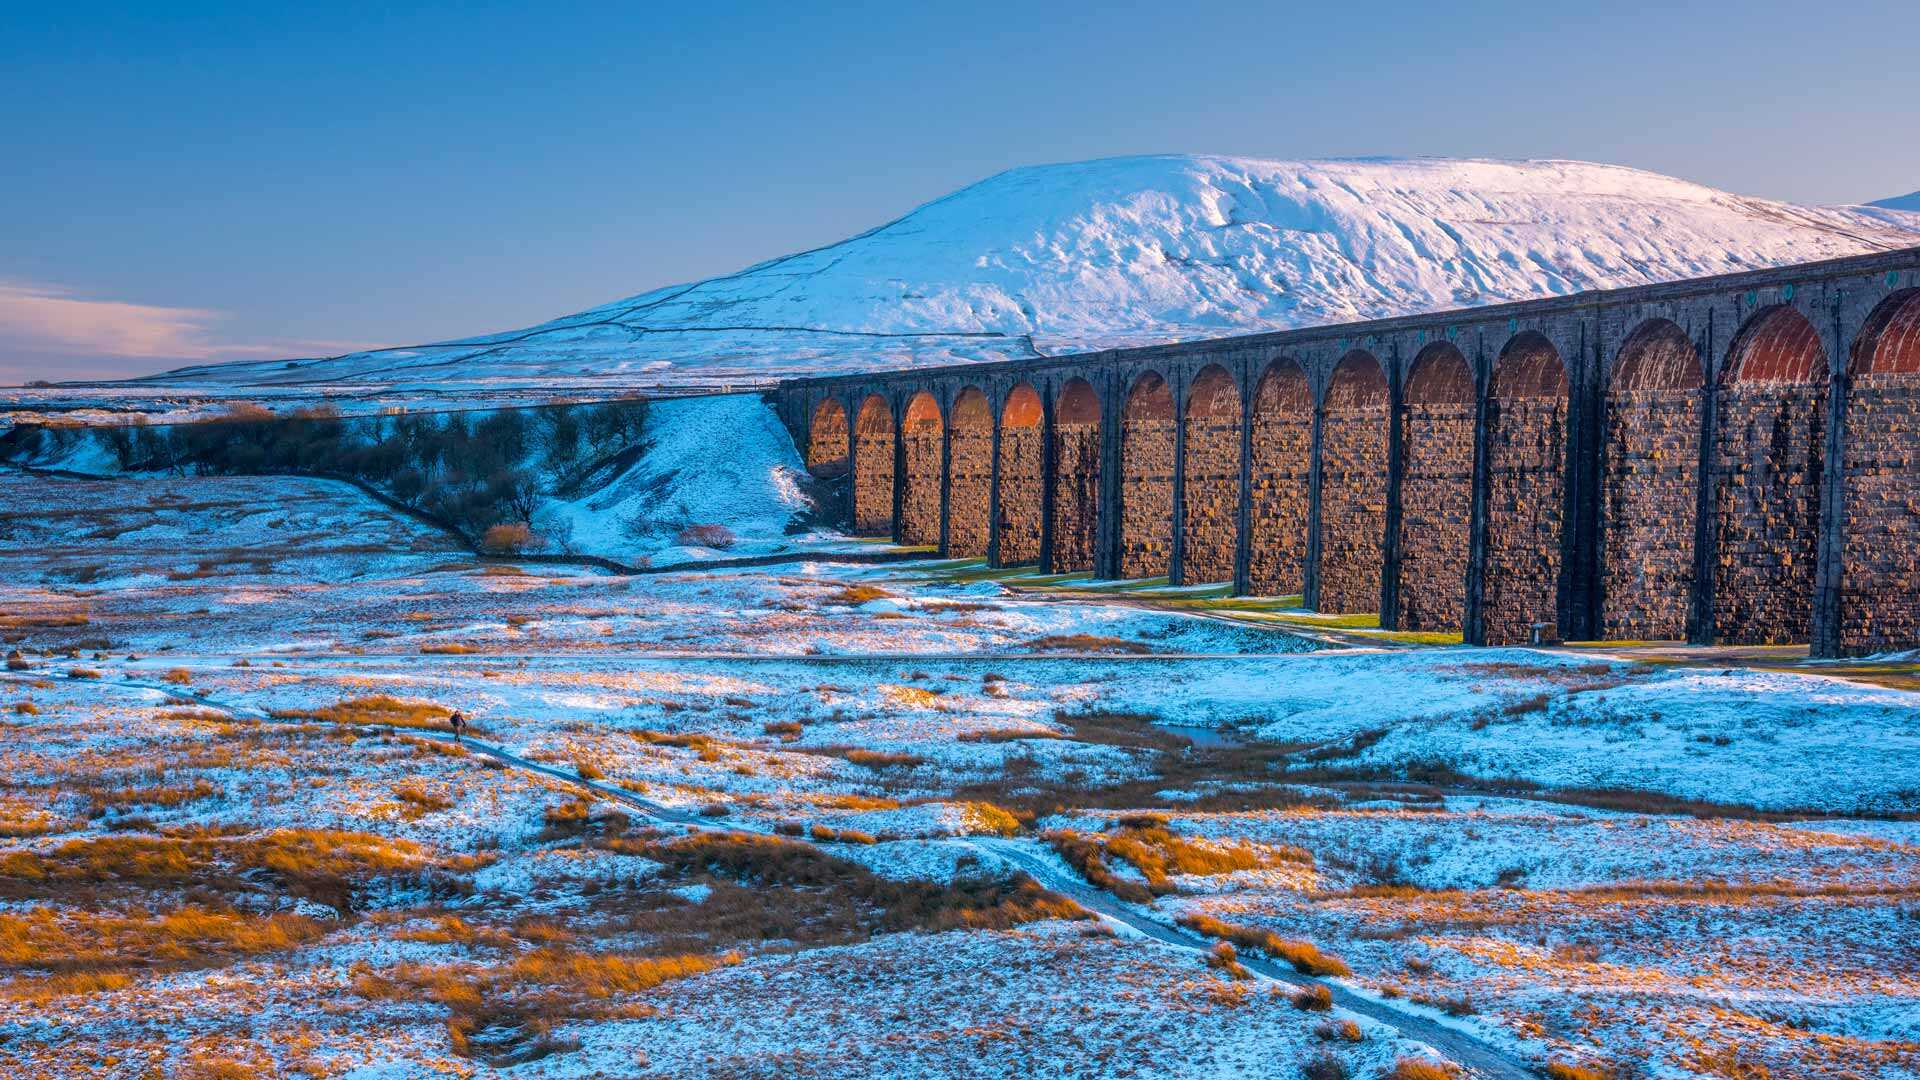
<point>1210,499</point>
<point>1769,442</point>
<point>1880,558</point>
<point>1649,480</point>
<point>1021,442</point>
<point>873,470</point>
<point>1282,464</point>
<point>1436,492</point>
<point>1147,438</point>
<point>1526,478</point>
<point>1353,487</point>
<point>921,438</point>
<point>969,475</point>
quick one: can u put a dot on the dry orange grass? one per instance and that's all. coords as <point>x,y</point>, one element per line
<point>1408,1068</point>
<point>1145,842</point>
<point>80,942</point>
<point>378,709</point>
<point>447,648</point>
<point>1561,1071</point>
<point>1305,957</point>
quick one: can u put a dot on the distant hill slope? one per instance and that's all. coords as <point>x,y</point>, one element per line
<point>1127,251</point>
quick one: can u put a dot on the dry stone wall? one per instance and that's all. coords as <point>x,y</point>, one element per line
<point>1211,497</point>
<point>1649,486</point>
<point>1436,508</point>
<point>1353,507</point>
<point>1146,497</point>
<point>1526,465</point>
<point>1767,511</point>
<point>1076,495</point>
<point>1020,462</point>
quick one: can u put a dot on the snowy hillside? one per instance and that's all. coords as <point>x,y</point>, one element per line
<point>1127,251</point>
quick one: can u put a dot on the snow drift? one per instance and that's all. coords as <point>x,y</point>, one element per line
<point>1130,251</point>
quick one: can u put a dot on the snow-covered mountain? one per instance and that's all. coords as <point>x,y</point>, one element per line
<point>1063,258</point>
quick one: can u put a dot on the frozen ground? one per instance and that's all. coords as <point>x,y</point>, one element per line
<point>1648,870</point>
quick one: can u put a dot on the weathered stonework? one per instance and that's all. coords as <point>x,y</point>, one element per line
<point>873,471</point>
<point>1210,521</point>
<point>1076,495</point>
<point>1020,462</point>
<point>1146,481</point>
<point>1880,601</point>
<point>1526,466</point>
<point>1767,508</point>
<point>921,437</point>
<point>1649,486</point>
<point>827,441</point>
<point>1353,487</point>
<point>971,476</point>
<point>1282,462</point>
<point>1436,508</point>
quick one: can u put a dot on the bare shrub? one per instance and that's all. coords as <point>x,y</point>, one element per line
<point>507,538</point>
<point>1324,1066</point>
<point>709,536</point>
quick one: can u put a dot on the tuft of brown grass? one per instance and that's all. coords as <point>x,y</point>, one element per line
<point>985,817</point>
<point>447,648</point>
<point>82,673</point>
<point>178,677</point>
<point>1412,1068</point>
<point>1559,1070</point>
<point>26,708</point>
<point>883,759</point>
<point>786,729</point>
<point>379,709</point>
<point>1145,842</point>
<point>855,595</point>
<point>587,770</point>
<point>1222,957</point>
<point>1315,998</point>
<point>1340,1031</point>
<point>1305,957</point>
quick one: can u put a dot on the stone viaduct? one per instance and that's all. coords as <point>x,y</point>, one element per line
<point>1731,460</point>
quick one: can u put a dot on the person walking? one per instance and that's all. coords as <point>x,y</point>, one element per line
<point>459,723</point>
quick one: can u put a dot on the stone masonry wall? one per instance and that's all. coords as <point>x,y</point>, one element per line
<point>1212,495</point>
<point>1146,497</point>
<point>971,486</point>
<point>873,482</point>
<point>1436,510</point>
<point>1767,512</point>
<point>1526,465</point>
<point>1648,485</point>
<point>1282,463</point>
<point>827,443</point>
<point>1076,495</point>
<point>1880,584</point>
<point>1020,461</point>
<point>1353,507</point>
<point>920,502</point>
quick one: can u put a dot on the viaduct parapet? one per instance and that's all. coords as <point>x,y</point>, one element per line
<point>1732,460</point>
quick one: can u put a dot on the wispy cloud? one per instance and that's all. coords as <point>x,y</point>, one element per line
<point>49,332</point>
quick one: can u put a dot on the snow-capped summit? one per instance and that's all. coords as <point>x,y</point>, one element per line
<point>1126,251</point>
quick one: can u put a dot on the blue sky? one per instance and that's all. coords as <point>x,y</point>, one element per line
<point>196,181</point>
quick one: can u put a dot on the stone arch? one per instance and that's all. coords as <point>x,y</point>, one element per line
<point>827,440</point>
<point>1021,431</point>
<point>921,436</point>
<point>1436,489</point>
<point>1879,577</point>
<point>1353,485</point>
<point>1076,477</point>
<point>1769,452</point>
<point>1526,490</point>
<point>1649,483</point>
<point>969,473</point>
<point>1147,435</point>
<point>873,468</point>
<point>1210,503</point>
<point>1282,466</point>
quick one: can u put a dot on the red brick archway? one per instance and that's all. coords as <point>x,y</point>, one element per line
<point>1146,478</point>
<point>1020,478</point>
<point>1353,485</point>
<point>969,474</point>
<point>921,436</point>
<point>1210,503</point>
<point>1769,453</point>
<point>1076,477</point>
<point>873,468</point>
<point>1436,490</point>
<point>1880,567</point>
<point>1526,488</point>
<point>1282,455</point>
<point>1649,483</point>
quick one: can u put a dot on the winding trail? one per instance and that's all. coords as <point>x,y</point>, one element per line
<point>1482,1059</point>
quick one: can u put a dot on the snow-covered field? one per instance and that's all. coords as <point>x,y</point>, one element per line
<point>218,862</point>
